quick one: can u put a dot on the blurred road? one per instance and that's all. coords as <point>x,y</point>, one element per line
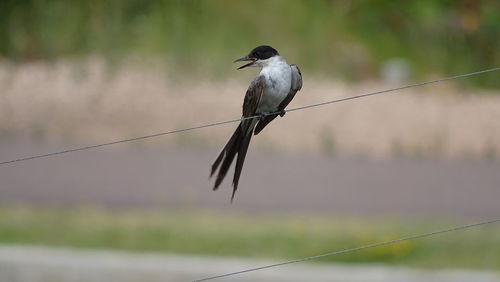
<point>178,179</point>
<point>37,264</point>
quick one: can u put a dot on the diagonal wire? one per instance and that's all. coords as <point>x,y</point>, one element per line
<point>119,141</point>
<point>457,228</point>
<point>394,89</point>
<point>245,118</point>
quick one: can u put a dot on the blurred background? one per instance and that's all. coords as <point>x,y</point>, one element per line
<point>82,72</point>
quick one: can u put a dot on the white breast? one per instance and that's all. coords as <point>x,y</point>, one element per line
<point>278,83</point>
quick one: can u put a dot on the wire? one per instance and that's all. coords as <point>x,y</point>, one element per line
<point>118,142</point>
<point>353,249</point>
<point>245,118</point>
<point>394,89</point>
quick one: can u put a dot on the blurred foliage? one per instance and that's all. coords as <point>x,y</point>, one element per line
<point>348,39</point>
<point>223,234</point>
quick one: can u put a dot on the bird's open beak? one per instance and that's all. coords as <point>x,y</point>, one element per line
<point>245,59</point>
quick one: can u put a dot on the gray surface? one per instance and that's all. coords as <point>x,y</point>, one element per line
<point>138,177</point>
<point>37,264</point>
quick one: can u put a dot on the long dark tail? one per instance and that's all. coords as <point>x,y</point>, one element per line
<point>237,144</point>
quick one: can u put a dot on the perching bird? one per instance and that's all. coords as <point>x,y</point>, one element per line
<point>270,92</point>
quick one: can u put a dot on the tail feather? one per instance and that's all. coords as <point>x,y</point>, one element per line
<point>226,163</point>
<point>237,145</point>
<point>229,144</point>
<point>226,156</point>
<point>242,152</point>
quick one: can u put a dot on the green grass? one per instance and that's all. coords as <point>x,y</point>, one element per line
<point>349,39</point>
<point>259,236</point>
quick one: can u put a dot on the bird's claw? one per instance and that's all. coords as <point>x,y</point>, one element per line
<point>282,113</point>
<point>262,116</point>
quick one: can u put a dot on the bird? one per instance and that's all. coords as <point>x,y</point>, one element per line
<point>266,98</point>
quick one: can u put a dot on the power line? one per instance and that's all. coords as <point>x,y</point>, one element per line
<point>394,89</point>
<point>118,141</point>
<point>457,228</point>
<point>257,116</point>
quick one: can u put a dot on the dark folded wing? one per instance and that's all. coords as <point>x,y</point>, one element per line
<point>250,104</point>
<point>296,86</point>
<point>253,96</point>
<point>239,141</point>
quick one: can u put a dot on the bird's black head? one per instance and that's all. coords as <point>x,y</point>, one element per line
<point>262,52</point>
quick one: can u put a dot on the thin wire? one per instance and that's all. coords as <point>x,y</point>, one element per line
<point>245,118</point>
<point>352,249</point>
<point>119,141</point>
<point>394,89</point>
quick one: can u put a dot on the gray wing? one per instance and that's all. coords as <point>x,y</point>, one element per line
<point>296,86</point>
<point>296,78</point>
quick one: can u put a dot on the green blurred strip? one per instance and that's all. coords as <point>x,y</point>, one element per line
<point>271,236</point>
<point>349,39</point>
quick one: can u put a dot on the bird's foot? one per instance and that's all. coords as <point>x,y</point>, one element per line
<point>262,116</point>
<point>282,113</point>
